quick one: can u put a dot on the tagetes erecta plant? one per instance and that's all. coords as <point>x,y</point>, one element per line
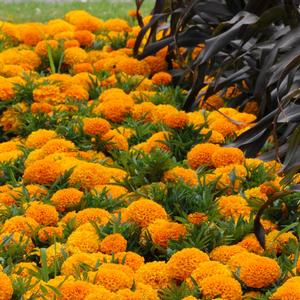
<point>110,190</point>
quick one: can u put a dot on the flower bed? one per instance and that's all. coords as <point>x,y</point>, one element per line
<point>109,190</point>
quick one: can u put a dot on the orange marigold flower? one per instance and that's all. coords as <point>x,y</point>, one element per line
<point>224,253</point>
<point>21,224</point>
<point>289,290</point>
<point>75,289</point>
<point>89,175</point>
<point>84,37</point>
<point>233,206</point>
<point>225,127</point>
<point>197,218</point>
<point>42,47</point>
<point>83,241</point>
<point>83,67</point>
<point>115,140</point>
<point>221,286</point>
<point>6,289</point>
<point>74,55</point>
<point>255,271</point>
<point>226,156</point>
<point>162,78</point>
<point>58,145</point>
<point>275,241</point>
<point>143,111</point>
<point>71,44</point>
<point>157,141</point>
<point>251,243</point>
<point>95,126</point>
<point>113,243</point>
<point>115,110</point>
<point>44,214</point>
<point>76,92</point>
<point>41,108</point>
<point>117,25</point>
<point>255,193</point>
<point>49,233</point>
<point>98,215</point>
<point>212,102</point>
<point>6,90</point>
<point>66,199</point>
<point>30,33</point>
<point>154,274</point>
<point>113,276</point>
<point>132,66</point>
<point>23,268</point>
<point>130,259</point>
<point>201,155</point>
<point>163,231</point>
<point>181,264</point>
<point>207,269</point>
<point>178,173</point>
<point>156,64</point>
<point>178,119</point>
<point>43,171</point>
<point>215,136</point>
<point>145,211</point>
<point>49,94</point>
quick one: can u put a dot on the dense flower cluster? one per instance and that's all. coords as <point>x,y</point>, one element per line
<point>109,190</point>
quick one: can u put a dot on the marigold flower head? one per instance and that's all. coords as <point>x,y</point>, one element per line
<point>224,126</point>
<point>83,241</point>
<point>58,145</point>
<point>154,274</point>
<point>6,289</point>
<point>251,244</point>
<point>233,206</point>
<point>156,64</point>
<point>50,233</point>
<point>117,25</point>
<point>84,37</point>
<point>42,47</point>
<point>130,259</point>
<point>161,111</point>
<point>162,231</point>
<point>215,136</point>
<point>275,241</point>
<point>48,94</point>
<point>157,141</point>
<point>145,211</point>
<point>44,214</point>
<point>220,285</point>
<point>66,199</point>
<point>196,118</point>
<point>201,155</point>
<point>22,269</point>
<point>75,289</point>
<point>74,55</point>
<point>212,102</point>
<point>6,90</point>
<point>255,271</point>
<point>9,146</point>
<point>113,243</point>
<point>197,218</point>
<point>289,290</point>
<point>98,215</point>
<point>207,269</point>
<point>224,253</point>
<point>71,44</point>
<point>114,276</point>
<point>181,264</point>
<point>143,111</point>
<point>21,224</point>
<point>115,140</point>
<point>89,175</point>
<point>43,171</point>
<point>178,173</point>
<point>95,126</point>
<point>226,156</point>
<point>16,239</point>
<point>175,120</point>
<point>162,78</point>
<point>100,293</point>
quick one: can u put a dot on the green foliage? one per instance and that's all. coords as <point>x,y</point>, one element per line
<point>181,140</point>
<point>178,292</point>
<point>169,95</point>
<point>143,168</point>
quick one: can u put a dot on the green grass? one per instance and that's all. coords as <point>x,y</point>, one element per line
<point>39,11</point>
